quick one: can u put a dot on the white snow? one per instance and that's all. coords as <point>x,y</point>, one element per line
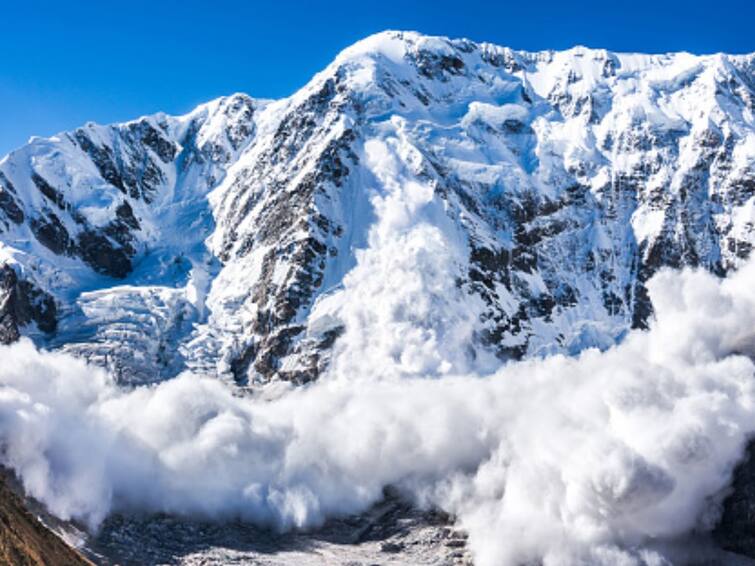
<point>587,459</point>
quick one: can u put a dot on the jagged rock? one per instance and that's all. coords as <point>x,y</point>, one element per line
<point>98,251</point>
<point>22,303</point>
<point>8,204</point>
<point>735,530</point>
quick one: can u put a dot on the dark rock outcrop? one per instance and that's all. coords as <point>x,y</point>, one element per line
<point>22,303</point>
<point>735,530</point>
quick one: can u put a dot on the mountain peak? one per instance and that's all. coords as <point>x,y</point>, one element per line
<point>238,226</point>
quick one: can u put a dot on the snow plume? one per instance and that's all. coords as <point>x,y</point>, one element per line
<point>563,459</point>
<point>560,461</point>
<point>402,303</point>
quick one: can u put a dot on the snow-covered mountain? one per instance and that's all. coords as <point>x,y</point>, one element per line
<point>244,239</point>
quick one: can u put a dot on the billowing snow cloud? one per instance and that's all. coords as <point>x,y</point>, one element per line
<point>557,459</point>
<point>560,460</point>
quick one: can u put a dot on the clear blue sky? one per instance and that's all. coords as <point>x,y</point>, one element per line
<point>65,62</point>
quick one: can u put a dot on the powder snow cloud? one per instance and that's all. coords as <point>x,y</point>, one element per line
<point>557,459</point>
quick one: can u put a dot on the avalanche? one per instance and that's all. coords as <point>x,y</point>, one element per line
<point>513,285</point>
<point>565,460</point>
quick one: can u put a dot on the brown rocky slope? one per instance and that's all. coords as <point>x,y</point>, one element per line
<point>25,541</point>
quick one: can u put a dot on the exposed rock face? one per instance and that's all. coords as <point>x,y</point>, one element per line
<point>736,529</point>
<point>21,303</point>
<point>24,541</point>
<point>567,178</point>
<point>105,203</point>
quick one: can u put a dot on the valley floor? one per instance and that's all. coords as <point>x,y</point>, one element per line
<point>391,532</point>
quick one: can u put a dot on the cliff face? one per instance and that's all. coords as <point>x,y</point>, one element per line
<point>24,541</point>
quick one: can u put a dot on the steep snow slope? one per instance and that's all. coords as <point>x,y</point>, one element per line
<point>418,191</point>
<point>107,226</point>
